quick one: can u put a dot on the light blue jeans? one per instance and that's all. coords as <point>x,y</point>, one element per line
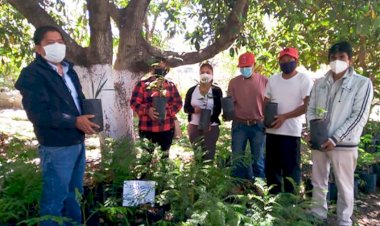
<point>62,175</point>
<point>241,134</point>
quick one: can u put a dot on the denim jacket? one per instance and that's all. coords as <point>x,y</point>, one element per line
<point>348,111</point>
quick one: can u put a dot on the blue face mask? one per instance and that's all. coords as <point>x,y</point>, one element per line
<point>288,67</point>
<point>246,72</point>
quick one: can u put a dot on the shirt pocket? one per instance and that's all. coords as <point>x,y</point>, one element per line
<point>345,92</point>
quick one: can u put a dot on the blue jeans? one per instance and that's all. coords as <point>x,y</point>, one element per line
<point>241,134</point>
<point>62,175</point>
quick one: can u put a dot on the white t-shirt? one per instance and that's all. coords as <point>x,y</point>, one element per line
<point>203,102</point>
<point>289,94</point>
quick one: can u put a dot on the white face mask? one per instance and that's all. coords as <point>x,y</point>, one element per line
<point>205,78</point>
<point>338,66</point>
<point>55,53</point>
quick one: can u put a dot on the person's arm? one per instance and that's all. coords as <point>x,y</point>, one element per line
<point>187,107</point>
<point>138,102</point>
<point>175,103</point>
<point>267,94</point>
<point>36,102</point>
<point>359,114</point>
<point>218,102</point>
<point>311,108</point>
<point>280,119</point>
<point>230,91</point>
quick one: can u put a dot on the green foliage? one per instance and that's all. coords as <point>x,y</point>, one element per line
<point>292,210</point>
<point>15,44</point>
<point>158,86</point>
<point>197,192</point>
<point>37,220</point>
<point>20,182</point>
<point>365,158</point>
<point>312,26</point>
<point>321,112</point>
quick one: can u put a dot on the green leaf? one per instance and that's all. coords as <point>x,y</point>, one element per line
<point>232,52</point>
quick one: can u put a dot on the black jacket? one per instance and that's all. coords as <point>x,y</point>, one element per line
<point>217,96</point>
<point>49,105</point>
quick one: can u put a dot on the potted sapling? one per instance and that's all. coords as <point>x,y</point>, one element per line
<point>228,108</point>
<point>94,106</point>
<point>365,165</point>
<point>159,97</point>
<point>204,118</point>
<point>270,111</point>
<point>318,129</point>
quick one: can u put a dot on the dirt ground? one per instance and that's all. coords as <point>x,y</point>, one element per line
<point>15,123</point>
<point>367,211</point>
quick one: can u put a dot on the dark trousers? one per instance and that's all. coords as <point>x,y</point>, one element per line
<point>164,139</point>
<point>210,137</point>
<point>283,160</point>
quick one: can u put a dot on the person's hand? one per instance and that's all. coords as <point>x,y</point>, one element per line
<point>153,114</point>
<point>84,124</point>
<point>306,136</point>
<point>328,146</point>
<point>197,110</point>
<point>225,119</point>
<point>280,119</point>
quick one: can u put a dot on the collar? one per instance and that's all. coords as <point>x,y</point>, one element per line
<point>346,79</point>
<point>65,66</point>
<point>244,78</point>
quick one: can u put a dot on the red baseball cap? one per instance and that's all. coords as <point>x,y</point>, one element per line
<point>293,52</point>
<point>246,59</point>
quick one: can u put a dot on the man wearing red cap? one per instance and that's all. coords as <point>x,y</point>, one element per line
<point>290,89</point>
<point>247,91</point>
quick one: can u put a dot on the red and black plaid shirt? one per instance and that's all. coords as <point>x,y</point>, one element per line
<point>142,100</point>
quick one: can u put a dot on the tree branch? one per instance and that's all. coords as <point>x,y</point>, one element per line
<point>115,13</point>
<point>37,16</point>
<point>146,25</point>
<point>100,49</point>
<point>227,36</point>
<point>151,33</point>
<point>133,16</point>
<point>131,25</point>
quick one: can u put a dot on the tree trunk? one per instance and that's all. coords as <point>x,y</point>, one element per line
<point>115,95</point>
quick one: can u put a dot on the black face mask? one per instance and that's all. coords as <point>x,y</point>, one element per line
<point>288,67</point>
<point>160,71</point>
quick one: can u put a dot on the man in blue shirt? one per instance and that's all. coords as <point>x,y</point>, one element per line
<point>52,97</point>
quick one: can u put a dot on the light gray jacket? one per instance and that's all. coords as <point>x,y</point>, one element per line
<point>350,108</point>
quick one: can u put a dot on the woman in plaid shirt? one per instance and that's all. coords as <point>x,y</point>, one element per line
<point>157,131</point>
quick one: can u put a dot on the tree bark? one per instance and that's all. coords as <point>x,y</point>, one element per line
<point>100,49</point>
